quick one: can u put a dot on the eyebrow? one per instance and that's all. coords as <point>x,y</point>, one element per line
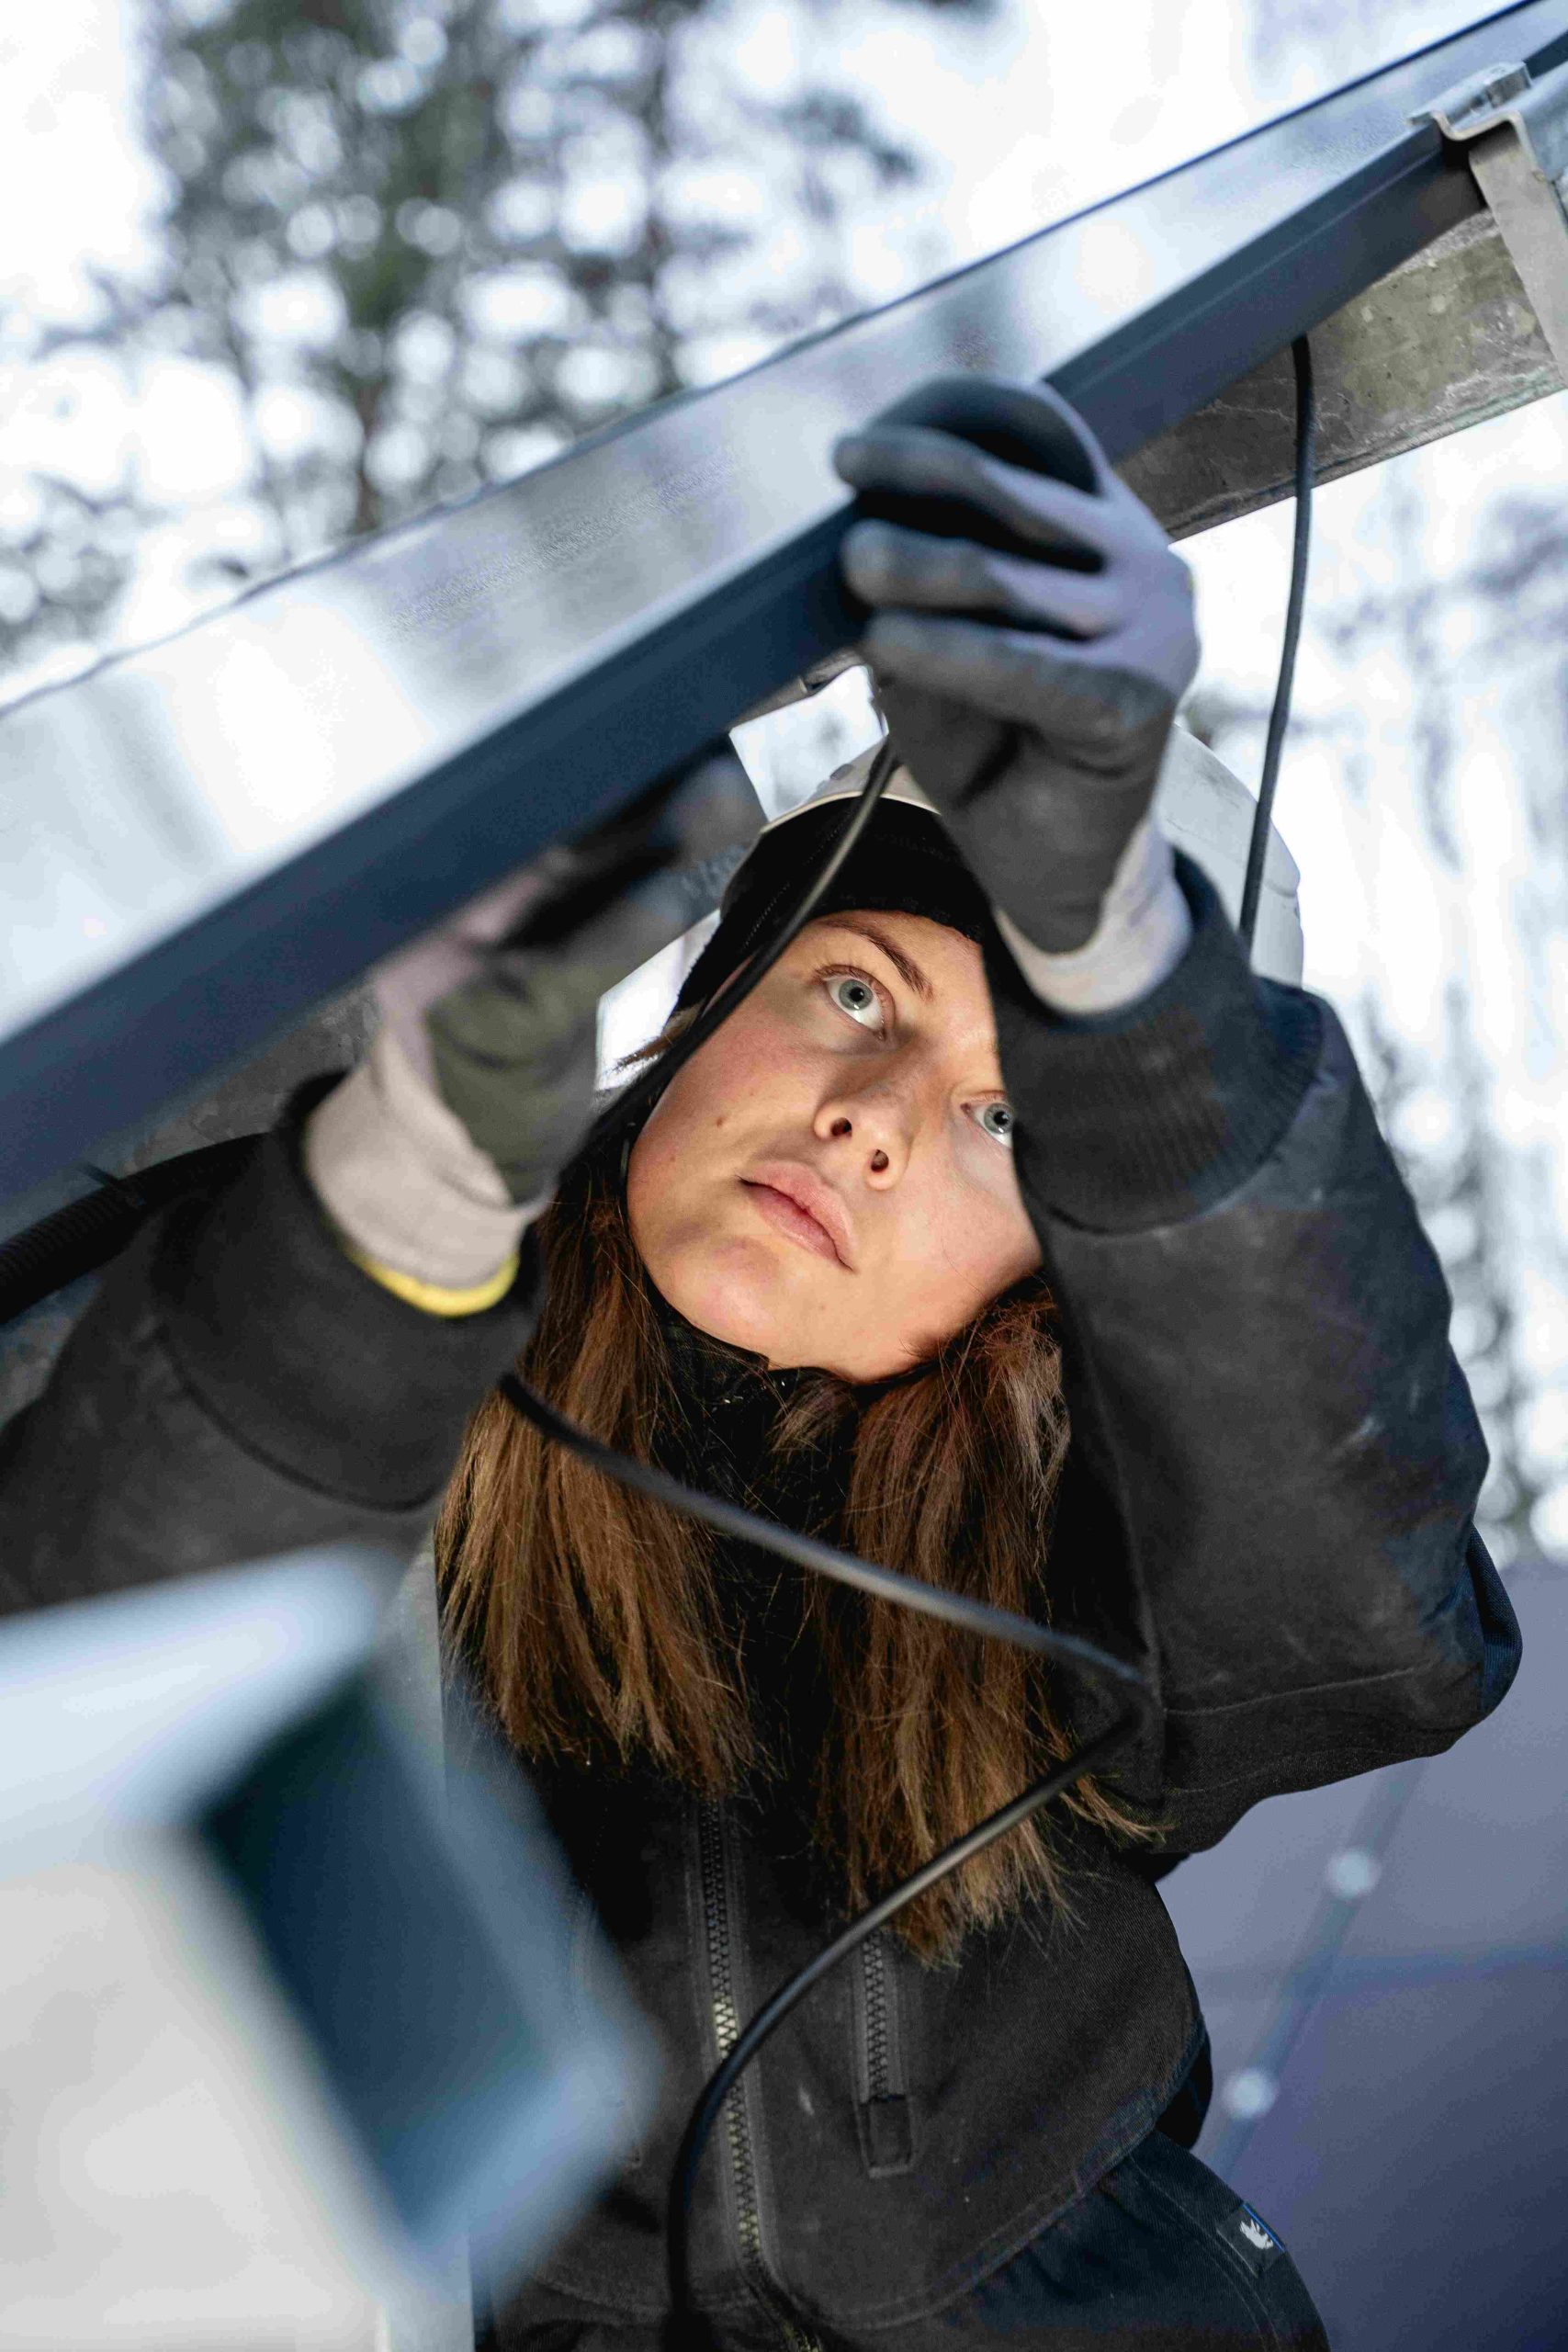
<point>909,971</point>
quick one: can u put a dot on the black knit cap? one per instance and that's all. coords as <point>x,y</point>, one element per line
<point>905,863</point>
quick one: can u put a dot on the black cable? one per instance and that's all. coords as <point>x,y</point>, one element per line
<point>1280,716</point>
<point>957,1609</point>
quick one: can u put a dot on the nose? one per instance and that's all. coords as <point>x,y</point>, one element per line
<point>874,1129</point>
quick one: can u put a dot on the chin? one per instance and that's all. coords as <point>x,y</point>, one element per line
<point>742,1296</point>
<point>733,1294</point>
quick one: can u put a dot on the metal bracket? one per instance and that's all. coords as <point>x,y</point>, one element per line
<point>1513,131</point>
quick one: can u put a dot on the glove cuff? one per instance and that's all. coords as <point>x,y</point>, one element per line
<point>403,1182</point>
<point>1141,936</point>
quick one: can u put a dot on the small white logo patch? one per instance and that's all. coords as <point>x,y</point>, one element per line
<point>1256,2234</point>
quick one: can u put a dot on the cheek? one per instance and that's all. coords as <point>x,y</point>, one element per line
<point>972,1239</point>
<point>703,1248</point>
<point>695,1136</point>
<point>1012,1236</point>
<point>959,1244</point>
<point>691,1126</point>
<point>662,1176</point>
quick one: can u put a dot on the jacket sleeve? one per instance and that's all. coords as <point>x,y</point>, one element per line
<point>238,1388</point>
<point>1275,1460</point>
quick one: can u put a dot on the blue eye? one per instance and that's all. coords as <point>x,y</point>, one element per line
<point>995,1120</point>
<point>853,994</point>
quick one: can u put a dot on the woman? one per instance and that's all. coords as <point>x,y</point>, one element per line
<point>1009,1140</point>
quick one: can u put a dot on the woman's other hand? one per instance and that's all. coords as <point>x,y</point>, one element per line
<point>1029,670</point>
<point>434,1155</point>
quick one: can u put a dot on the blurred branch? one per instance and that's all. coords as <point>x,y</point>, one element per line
<point>426,242</point>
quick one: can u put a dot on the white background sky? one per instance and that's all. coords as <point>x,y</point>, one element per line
<point>1043,111</point>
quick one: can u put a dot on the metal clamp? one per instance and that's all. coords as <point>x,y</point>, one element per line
<point>1514,130</point>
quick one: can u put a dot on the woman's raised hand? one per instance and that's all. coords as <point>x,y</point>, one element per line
<point>430,1159</point>
<point>1030,644</point>
<point>496,1010</point>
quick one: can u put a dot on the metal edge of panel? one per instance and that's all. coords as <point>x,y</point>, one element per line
<point>211,992</point>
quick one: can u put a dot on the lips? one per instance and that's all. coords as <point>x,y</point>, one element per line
<point>797,1202</point>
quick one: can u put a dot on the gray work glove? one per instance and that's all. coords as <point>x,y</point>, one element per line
<point>432,1157</point>
<point>1029,669</point>
<point>496,1012</point>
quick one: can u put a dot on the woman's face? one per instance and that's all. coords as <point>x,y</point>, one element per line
<point>827,1181</point>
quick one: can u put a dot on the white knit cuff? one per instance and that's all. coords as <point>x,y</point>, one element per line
<point>1142,935</point>
<point>403,1181</point>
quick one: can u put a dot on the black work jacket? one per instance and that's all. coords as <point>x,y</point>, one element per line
<point>1267,1508</point>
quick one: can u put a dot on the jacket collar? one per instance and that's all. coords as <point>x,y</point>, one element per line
<point>707,1369</point>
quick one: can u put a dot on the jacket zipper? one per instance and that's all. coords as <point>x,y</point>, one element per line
<point>886,2120</point>
<point>874,1981</point>
<point>734,2121</point>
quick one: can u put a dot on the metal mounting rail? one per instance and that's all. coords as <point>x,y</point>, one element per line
<point>201,840</point>
<point>1512,130</point>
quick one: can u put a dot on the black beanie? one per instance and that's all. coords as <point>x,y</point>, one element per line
<point>905,863</point>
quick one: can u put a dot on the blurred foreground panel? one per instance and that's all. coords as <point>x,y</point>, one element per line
<point>163,2187</point>
<point>288,2018</point>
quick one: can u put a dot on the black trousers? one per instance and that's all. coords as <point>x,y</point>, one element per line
<point>1160,2257</point>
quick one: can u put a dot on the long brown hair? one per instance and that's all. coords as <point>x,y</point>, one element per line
<point>593,1617</point>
